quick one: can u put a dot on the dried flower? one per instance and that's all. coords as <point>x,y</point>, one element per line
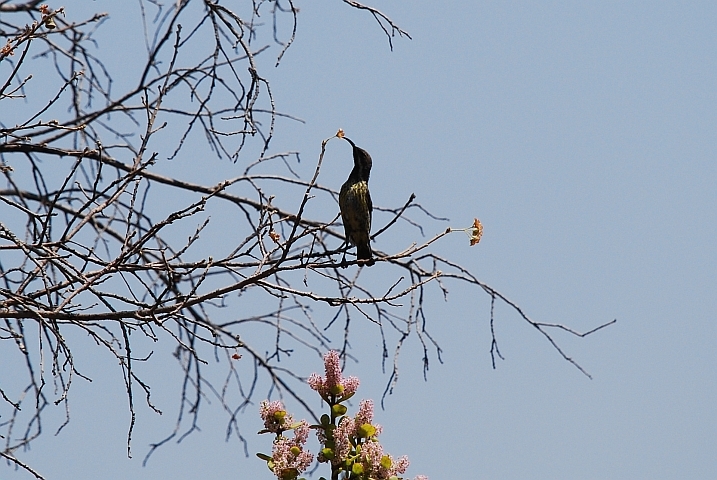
<point>274,236</point>
<point>7,50</point>
<point>340,133</point>
<point>476,231</point>
<point>48,20</point>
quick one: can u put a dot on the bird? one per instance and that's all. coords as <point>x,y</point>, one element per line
<point>356,207</point>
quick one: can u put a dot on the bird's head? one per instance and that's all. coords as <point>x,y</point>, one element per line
<point>361,157</point>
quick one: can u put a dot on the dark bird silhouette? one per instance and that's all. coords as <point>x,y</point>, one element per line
<point>356,207</point>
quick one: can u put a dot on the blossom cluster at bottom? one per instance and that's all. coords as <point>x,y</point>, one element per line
<point>348,444</point>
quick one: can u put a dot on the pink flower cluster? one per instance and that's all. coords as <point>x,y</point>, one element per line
<point>379,465</point>
<point>342,435</point>
<point>365,415</point>
<point>348,429</point>
<point>350,444</point>
<point>276,419</point>
<point>334,383</point>
<point>289,456</point>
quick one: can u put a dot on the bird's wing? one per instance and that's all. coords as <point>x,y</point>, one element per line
<point>370,208</point>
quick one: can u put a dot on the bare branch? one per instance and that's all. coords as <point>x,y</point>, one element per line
<point>100,233</point>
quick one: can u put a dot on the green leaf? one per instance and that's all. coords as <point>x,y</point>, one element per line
<point>338,410</point>
<point>264,457</point>
<point>366,430</point>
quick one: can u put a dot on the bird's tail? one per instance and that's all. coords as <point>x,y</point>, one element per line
<point>363,252</point>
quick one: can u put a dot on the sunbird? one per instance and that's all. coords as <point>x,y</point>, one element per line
<point>356,207</point>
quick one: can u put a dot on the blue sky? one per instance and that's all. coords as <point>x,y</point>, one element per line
<point>583,135</point>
